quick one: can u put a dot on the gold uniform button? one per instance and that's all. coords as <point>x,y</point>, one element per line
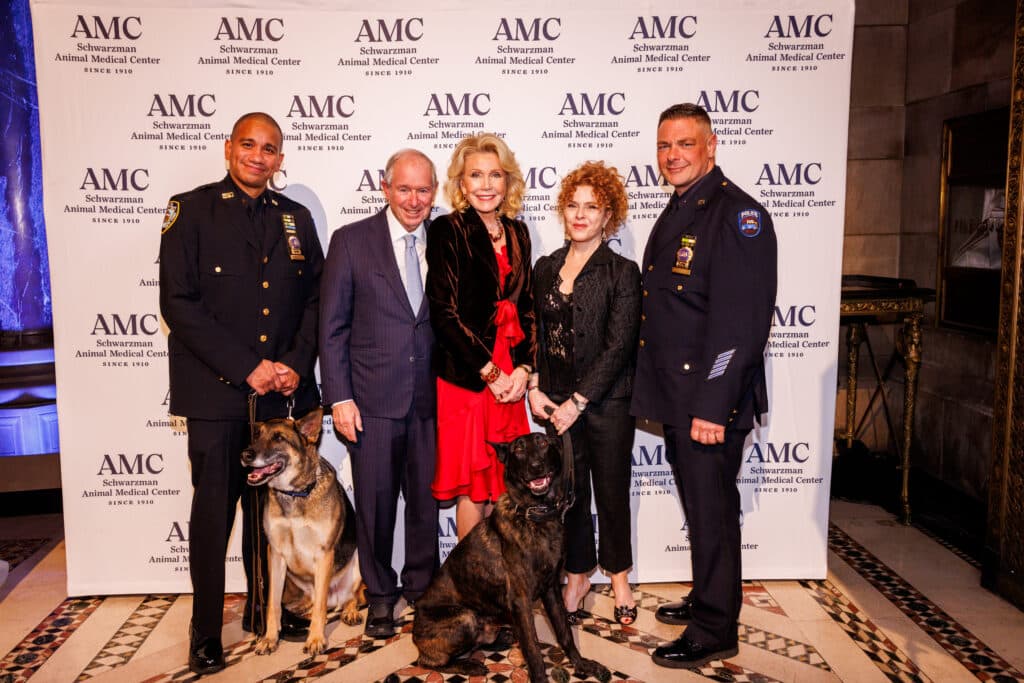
<point>216,269</point>
<point>263,337</point>
<point>645,292</point>
<point>642,343</point>
<point>679,288</point>
<point>643,316</point>
<point>266,284</point>
<point>266,311</point>
<point>266,259</point>
<point>650,268</point>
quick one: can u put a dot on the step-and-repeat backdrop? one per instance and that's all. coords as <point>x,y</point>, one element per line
<point>136,101</point>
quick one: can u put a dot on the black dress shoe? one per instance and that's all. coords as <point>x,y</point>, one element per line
<point>683,653</point>
<point>379,620</point>
<point>676,613</point>
<point>205,655</point>
<point>294,628</point>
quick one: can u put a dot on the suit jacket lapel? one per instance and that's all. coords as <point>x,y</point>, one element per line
<point>383,256</point>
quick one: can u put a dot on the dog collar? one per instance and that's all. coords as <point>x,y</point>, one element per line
<point>537,513</point>
<point>304,493</point>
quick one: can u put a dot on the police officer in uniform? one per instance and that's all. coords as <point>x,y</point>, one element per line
<point>239,289</point>
<point>709,279</point>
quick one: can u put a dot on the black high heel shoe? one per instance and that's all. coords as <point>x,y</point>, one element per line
<point>625,615</point>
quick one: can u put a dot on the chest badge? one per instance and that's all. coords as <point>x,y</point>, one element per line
<point>292,238</point>
<point>685,254</point>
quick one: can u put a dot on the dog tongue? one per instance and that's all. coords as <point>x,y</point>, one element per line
<point>259,472</point>
<point>540,483</point>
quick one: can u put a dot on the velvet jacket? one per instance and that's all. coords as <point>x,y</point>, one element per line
<point>463,289</point>
<point>605,323</point>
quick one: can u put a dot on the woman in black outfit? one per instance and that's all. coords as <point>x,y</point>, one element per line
<point>587,302</point>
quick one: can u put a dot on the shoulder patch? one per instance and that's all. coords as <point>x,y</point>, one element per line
<point>171,215</point>
<point>749,222</point>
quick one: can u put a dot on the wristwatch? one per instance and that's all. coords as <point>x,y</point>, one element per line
<point>580,405</point>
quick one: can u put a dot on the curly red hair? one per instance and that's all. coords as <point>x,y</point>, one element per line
<point>608,188</point>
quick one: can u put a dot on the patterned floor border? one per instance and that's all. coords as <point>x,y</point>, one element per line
<point>119,650</point>
<point>32,652</point>
<point>954,638</point>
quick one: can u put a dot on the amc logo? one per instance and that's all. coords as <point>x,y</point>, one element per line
<point>141,463</point>
<point>794,316</point>
<point>328,107</point>
<point>114,28</point>
<point>642,457</point>
<point>655,28</point>
<point>389,32</point>
<point>183,106</point>
<point>369,181</point>
<point>530,31</point>
<point>779,453</point>
<point>810,26</point>
<point>644,176</point>
<point>466,104</point>
<point>446,528</point>
<point>729,101</point>
<point>178,533</point>
<point>116,180</point>
<point>131,325</point>
<point>258,29</point>
<point>796,174</point>
<point>586,104</point>
<point>544,177</point>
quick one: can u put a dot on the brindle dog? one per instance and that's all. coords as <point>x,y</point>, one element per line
<point>497,572</point>
<point>310,527</point>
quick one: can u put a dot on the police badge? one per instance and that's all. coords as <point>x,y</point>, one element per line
<point>292,238</point>
<point>684,255</point>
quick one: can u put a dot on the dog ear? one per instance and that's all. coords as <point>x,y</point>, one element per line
<point>501,450</point>
<point>310,424</point>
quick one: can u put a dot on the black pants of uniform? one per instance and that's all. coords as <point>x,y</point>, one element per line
<point>602,444</point>
<point>393,456</point>
<point>218,480</point>
<point>706,478</point>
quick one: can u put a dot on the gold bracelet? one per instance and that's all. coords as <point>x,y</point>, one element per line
<point>492,375</point>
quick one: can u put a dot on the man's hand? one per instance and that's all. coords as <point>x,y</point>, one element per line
<point>263,379</point>
<point>707,433</point>
<point>347,419</point>
<point>287,379</point>
<point>539,403</point>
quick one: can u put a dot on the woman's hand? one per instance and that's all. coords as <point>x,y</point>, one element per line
<point>565,416</point>
<point>519,379</point>
<point>540,405</point>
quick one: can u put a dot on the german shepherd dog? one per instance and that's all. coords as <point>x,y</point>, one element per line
<point>497,572</point>
<point>310,527</point>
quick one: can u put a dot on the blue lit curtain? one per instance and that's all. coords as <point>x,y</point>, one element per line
<point>24,268</point>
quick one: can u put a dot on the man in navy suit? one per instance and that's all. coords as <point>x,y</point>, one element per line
<point>375,342</point>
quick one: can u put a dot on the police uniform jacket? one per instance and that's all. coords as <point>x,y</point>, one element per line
<point>463,289</point>
<point>605,320</point>
<point>703,333</point>
<point>233,297</point>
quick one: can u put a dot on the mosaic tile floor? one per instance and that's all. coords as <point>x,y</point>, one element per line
<point>896,606</point>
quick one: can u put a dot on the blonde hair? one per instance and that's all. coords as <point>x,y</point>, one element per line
<point>608,189</point>
<point>486,143</point>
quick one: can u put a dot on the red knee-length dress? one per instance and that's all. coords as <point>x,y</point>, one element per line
<point>466,420</point>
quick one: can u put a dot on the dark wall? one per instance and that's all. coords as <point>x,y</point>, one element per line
<point>916,64</point>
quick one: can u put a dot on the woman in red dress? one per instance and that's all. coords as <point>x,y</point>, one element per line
<point>480,289</point>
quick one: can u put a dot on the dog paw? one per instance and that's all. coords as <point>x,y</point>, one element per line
<point>559,675</point>
<point>588,668</point>
<point>314,645</point>
<point>350,614</point>
<point>264,646</point>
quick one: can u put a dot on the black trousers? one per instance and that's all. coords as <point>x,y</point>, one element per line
<point>706,478</point>
<point>602,445</point>
<point>218,481</point>
<point>393,456</point>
